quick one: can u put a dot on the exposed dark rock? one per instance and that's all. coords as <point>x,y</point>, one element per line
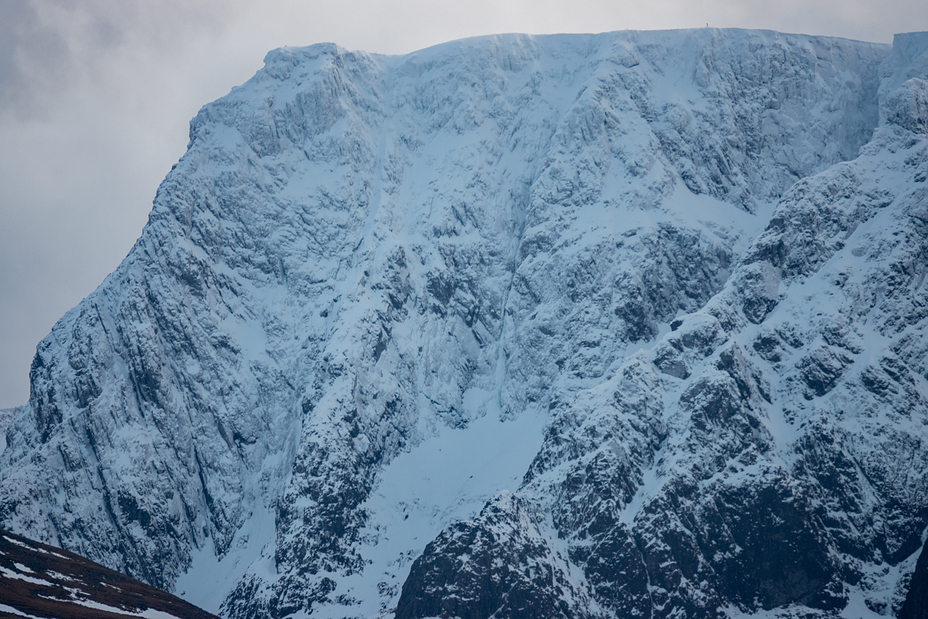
<point>916,600</point>
<point>497,565</point>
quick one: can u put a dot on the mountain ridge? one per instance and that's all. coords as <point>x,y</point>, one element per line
<point>361,258</point>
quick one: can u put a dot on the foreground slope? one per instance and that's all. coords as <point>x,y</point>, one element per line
<point>39,581</point>
<point>506,326</point>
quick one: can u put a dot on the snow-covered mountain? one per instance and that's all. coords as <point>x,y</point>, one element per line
<point>618,325</point>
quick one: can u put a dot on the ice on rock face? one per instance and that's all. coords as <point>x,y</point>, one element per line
<point>618,324</point>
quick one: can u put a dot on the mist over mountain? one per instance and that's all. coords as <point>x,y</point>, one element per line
<point>617,325</point>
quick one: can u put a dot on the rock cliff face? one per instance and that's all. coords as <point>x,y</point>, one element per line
<point>631,324</point>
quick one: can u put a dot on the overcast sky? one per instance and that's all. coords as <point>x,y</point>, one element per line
<point>96,96</point>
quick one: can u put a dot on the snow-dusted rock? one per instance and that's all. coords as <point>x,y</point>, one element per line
<point>629,324</point>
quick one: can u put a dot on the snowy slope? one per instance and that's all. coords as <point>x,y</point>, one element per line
<point>766,457</point>
<point>512,324</point>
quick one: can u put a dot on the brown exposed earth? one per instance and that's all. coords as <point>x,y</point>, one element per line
<point>37,580</point>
